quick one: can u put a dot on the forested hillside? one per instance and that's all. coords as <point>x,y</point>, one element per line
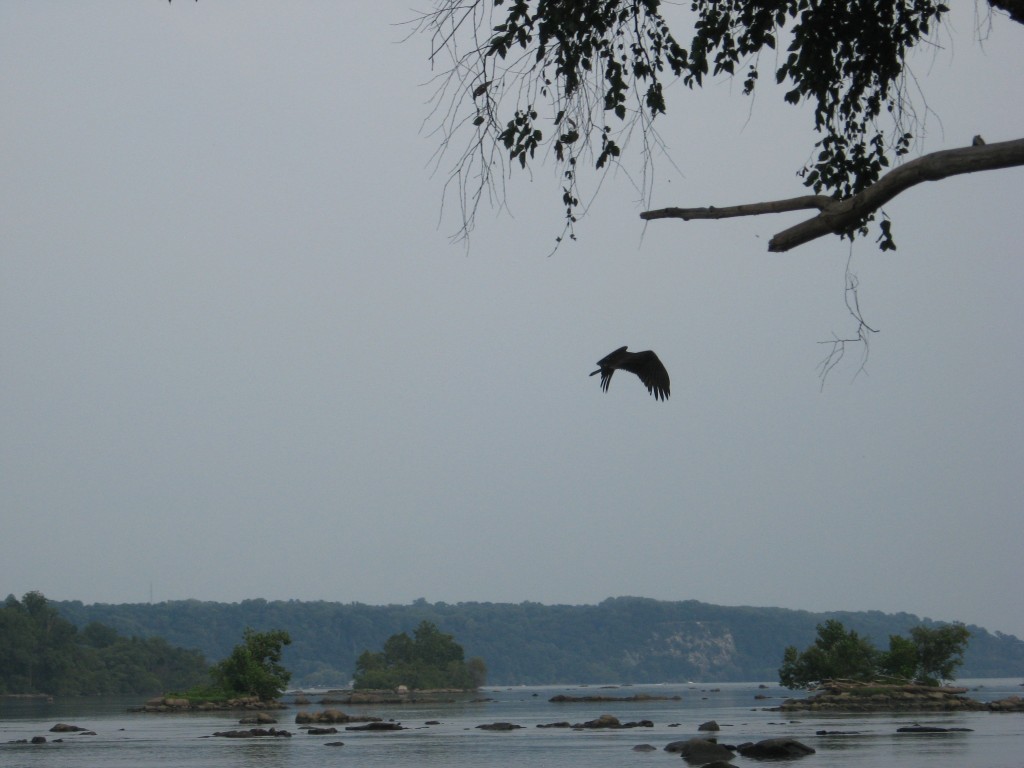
<point>42,652</point>
<point>622,639</point>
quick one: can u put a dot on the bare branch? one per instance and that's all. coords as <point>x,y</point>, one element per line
<point>845,215</point>
<point>838,348</point>
<point>819,202</point>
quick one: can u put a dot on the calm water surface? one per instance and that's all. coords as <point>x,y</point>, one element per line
<point>143,740</point>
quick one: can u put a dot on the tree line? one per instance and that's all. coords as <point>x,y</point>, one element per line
<point>625,639</point>
<point>43,652</point>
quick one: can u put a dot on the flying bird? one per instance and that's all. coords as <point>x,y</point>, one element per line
<point>646,365</point>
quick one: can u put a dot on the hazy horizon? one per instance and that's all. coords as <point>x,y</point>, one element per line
<point>241,358</point>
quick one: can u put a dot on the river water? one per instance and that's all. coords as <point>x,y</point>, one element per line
<point>743,711</point>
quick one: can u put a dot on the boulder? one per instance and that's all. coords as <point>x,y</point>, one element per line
<point>645,748</point>
<point>260,718</point>
<point>499,727</point>
<point>604,721</point>
<point>321,731</point>
<point>326,716</point>
<point>700,751</point>
<point>710,725</point>
<point>65,728</point>
<point>775,749</point>
<point>376,726</point>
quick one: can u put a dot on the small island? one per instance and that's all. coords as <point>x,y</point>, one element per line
<point>429,660</point>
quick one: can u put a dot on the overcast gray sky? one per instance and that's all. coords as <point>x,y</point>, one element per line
<point>241,358</point>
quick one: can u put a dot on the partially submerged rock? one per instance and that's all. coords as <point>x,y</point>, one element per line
<point>775,749</point>
<point>252,733</point>
<point>65,728</point>
<point>376,726</point>
<point>700,751</point>
<point>501,726</point>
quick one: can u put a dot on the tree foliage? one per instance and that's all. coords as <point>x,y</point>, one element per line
<point>428,659</point>
<point>42,652</point>
<point>254,666</point>
<point>580,78</point>
<point>938,652</point>
<point>929,655</point>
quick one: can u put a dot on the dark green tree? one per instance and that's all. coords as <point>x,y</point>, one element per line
<point>574,79</point>
<point>835,654</point>
<point>940,650</point>
<point>41,652</point>
<point>428,659</point>
<point>254,666</point>
<point>900,661</point>
<point>929,655</point>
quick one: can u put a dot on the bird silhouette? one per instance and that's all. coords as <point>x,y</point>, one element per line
<point>646,365</point>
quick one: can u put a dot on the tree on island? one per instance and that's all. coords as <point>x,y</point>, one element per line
<point>428,659</point>
<point>579,79</point>
<point>927,657</point>
<point>254,666</point>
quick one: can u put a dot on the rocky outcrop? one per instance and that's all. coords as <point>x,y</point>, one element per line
<point>846,697</point>
<point>1009,704</point>
<point>177,704</point>
<point>501,726</point>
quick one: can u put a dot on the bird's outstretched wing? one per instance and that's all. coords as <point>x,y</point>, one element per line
<point>645,365</point>
<point>651,371</point>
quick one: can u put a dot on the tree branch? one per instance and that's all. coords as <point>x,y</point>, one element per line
<point>1015,8</point>
<point>842,216</point>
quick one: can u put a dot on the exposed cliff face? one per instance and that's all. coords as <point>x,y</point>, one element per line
<point>705,646</point>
